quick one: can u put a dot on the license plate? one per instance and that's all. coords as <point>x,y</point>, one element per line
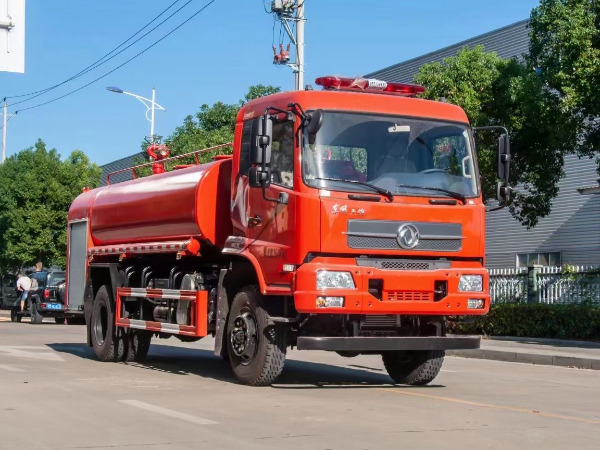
<point>53,306</point>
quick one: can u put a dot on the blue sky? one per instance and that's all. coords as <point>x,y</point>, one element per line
<point>214,57</point>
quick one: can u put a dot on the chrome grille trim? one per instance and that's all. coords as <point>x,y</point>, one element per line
<point>402,264</point>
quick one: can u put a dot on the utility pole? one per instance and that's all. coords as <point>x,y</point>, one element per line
<point>291,12</point>
<point>4,121</point>
<point>300,45</point>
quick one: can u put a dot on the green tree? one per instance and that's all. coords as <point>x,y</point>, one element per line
<point>565,50</point>
<point>36,190</point>
<point>494,91</point>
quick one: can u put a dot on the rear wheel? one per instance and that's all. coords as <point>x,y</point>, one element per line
<point>36,317</point>
<point>138,344</point>
<point>416,367</point>
<point>59,320</point>
<point>107,340</point>
<point>256,348</point>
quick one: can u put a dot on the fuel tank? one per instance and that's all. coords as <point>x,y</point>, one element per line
<point>175,205</point>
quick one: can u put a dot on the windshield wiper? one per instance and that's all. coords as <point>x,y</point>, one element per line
<point>377,189</point>
<point>452,194</point>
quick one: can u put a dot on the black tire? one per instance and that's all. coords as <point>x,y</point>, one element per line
<point>256,356</point>
<point>36,317</point>
<point>416,367</point>
<point>107,340</point>
<point>59,320</point>
<point>138,344</point>
<point>14,316</point>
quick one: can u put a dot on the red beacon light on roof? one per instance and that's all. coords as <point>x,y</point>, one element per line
<point>332,82</point>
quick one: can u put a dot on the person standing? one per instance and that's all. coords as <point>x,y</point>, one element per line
<point>23,286</point>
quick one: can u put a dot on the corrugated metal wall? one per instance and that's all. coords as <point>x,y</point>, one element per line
<point>510,41</point>
<point>120,164</point>
<point>572,228</point>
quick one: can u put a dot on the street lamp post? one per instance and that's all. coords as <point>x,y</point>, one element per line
<point>150,105</point>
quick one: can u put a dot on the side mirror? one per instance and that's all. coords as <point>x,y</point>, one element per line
<point>259,178</point>
<point>503,190</point>
<point>260,148</point>
<point>503,157</point>
<point>315,122</point>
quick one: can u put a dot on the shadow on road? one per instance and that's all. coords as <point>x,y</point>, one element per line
<point>203,363</point>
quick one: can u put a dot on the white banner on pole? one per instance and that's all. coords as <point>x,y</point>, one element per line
<point>12,36</point>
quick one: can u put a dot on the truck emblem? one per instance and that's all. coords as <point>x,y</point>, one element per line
<point>408,236</point>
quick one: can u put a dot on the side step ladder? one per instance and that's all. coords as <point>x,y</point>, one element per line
<point>198,311</point>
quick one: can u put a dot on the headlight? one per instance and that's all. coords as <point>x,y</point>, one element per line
<point>334,280</point>
<point>470,283</point>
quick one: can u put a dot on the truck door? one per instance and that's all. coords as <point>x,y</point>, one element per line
<point>77,264</point>
<point>270,226</point>
<point>8,294</point>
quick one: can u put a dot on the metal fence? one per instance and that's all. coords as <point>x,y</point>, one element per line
<point>550,285</point>
<point>508,285</point>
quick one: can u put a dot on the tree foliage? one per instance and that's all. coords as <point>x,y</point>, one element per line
<point>494,91</point>
<point>36,190</point>
<point>565,50</point>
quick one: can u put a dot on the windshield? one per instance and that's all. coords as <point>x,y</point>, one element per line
<point>405,156</point>
<point>56,278</point>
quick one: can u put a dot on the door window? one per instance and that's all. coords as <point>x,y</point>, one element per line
<point>282,154</point>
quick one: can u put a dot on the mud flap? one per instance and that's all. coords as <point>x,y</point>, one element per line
<point>222,313</point>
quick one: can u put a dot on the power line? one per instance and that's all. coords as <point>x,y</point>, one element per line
<point>121,65</point>
<point>104,59</point>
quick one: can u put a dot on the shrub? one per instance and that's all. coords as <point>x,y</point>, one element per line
<point>575,321</point>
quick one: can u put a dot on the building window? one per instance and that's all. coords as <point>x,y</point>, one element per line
<point>542,259</point>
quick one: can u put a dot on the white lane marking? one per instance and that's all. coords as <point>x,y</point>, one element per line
<point>169,412</point>
<point>10,368</point>
<point>22,351</point>
<point>449,371</point>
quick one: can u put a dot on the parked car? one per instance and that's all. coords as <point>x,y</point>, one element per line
<point>46,300</point>
<point>9,297</point>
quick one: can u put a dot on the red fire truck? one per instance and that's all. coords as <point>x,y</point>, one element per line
<point>348,219</point>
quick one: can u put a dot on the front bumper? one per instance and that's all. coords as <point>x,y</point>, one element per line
<point>389,343</point>
<point>403,292</point>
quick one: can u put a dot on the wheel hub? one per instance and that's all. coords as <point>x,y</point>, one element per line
<point>243,336</point>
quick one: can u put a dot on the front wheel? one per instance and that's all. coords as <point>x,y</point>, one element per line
<point>256,348</point>
<point>107,341</point>
<point>415,367</point>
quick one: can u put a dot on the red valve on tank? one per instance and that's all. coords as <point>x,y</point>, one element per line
<point>158,152</point>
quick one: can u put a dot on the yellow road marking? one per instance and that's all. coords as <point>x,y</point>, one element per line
<point>490,405</point>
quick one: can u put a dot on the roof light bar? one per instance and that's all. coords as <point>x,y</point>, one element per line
<point>332,82</point>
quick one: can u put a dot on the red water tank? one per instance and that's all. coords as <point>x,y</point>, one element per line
<point>175,205</point>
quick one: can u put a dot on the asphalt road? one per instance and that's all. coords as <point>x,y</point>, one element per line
<point>54,395</point>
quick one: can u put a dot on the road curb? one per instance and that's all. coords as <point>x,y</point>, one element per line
<point>530,358</point>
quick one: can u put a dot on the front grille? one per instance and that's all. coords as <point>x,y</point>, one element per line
<point>384,243</point>
<point>405,265</point>
<point>379,321</point>
<point>409,296</point>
